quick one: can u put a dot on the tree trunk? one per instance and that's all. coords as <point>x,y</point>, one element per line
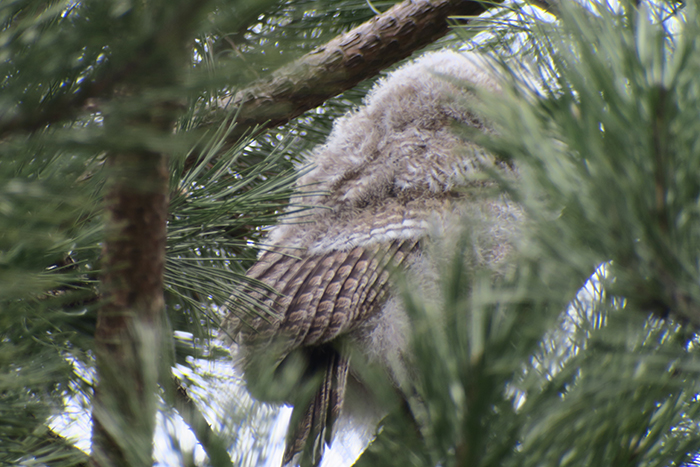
<point>128,335</point>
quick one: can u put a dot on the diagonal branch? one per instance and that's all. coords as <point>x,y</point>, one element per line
<point>210,441</point>
<point>345,61</point>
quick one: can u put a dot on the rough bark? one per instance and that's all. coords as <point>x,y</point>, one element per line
<point>345,61</point>
<point>127,339</point>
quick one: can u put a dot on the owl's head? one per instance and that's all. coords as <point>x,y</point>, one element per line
<point>403,140</point>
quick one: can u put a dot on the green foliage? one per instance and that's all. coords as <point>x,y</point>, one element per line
<point>49,252</point>
<point>527,370</point>
<point>606,148</point>
<point>77,79</point>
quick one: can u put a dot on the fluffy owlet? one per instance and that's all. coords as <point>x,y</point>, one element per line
<point>393,181</point>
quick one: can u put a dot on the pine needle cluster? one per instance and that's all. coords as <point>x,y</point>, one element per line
<point>585,354</point>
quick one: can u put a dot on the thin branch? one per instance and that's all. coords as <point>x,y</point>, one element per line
<point>210,441</point>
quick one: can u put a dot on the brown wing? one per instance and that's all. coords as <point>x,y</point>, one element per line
<point>307,302</point>
<point>313,299</point>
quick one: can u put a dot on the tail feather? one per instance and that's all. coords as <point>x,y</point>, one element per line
<point>315,428</point>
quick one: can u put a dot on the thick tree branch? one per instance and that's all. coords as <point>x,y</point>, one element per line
<point>345,61</point>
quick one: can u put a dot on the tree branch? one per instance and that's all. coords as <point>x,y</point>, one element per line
<point>210,441</point>
<point>343,62</point>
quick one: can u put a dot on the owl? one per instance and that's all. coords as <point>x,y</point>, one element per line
<point>392,189</point>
